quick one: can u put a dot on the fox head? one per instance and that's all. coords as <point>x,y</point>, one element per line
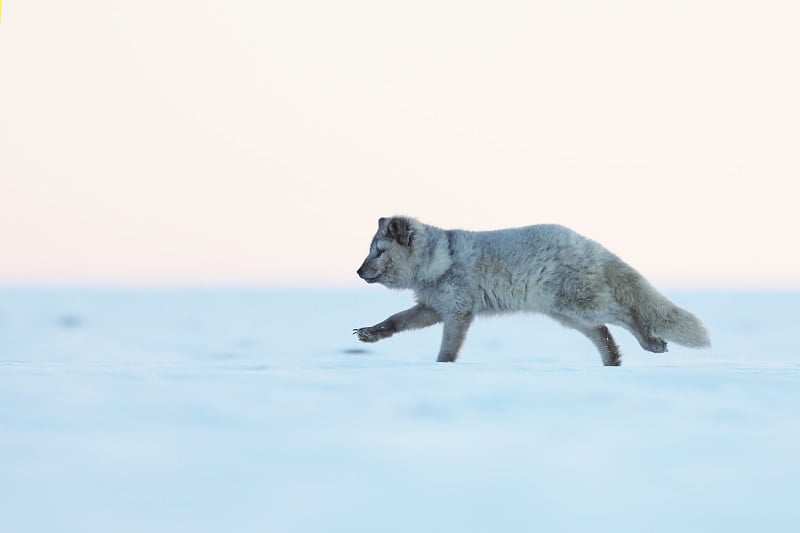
<point>391,255</point>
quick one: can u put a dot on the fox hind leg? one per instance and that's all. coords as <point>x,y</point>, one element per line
<point>600,337</point>
<point>641,329</point>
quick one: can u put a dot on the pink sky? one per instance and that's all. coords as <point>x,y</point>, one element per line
<point>246,143</point>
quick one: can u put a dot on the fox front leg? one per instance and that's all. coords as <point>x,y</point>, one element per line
<point>419,316</point>
<point>453,335</point>
<point>373,333</point>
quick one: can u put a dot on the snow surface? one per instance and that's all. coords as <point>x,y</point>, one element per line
<point>258,411</point>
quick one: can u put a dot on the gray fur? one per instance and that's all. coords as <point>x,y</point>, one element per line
<point>457,275</point>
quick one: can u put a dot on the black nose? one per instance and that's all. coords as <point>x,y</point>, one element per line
<point>360,272</point>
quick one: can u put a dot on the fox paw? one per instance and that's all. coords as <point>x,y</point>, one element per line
<point>656,345</point>
<point>370,334</point>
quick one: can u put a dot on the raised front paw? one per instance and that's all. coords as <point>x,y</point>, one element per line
<point>371,334</point>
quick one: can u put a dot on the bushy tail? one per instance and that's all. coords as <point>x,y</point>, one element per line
<point>663,318</point>
<point>669,321</point>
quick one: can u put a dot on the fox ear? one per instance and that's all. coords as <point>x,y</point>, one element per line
<point>381,221</point>
<point>400,229</point>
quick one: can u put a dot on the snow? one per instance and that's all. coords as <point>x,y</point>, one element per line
<point>248,410</point>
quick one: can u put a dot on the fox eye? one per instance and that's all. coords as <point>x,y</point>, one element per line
<point>379,252</point>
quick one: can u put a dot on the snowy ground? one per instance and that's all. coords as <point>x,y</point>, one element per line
<point>258,411</point>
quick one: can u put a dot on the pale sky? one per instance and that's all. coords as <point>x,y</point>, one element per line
<point>178,142</point>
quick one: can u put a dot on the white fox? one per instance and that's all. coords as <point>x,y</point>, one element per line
<point>548,269</point>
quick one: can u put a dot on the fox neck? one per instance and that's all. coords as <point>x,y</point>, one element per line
<point>434,256</point>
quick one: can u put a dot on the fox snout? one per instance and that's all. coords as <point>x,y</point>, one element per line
<point>366,273</point>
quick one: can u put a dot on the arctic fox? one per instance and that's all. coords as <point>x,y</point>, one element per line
<point>546,268</point>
